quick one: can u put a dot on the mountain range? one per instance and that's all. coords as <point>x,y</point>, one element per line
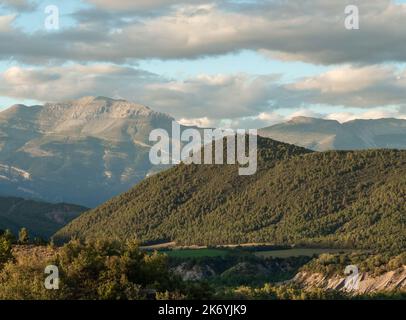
<point>89,150</point>
<point>322,135</point>
<point>82,151</point>
<point>351,199</point>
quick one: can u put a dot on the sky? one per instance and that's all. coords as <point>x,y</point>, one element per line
<point>229,63</point>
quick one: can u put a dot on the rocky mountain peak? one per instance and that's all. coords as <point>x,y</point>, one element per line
<point>310,120</point>
<point>88,108</point>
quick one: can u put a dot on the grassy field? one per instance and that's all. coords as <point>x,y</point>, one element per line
<point>196,253</point>
<point>297,252</point>
<point>221,252</point>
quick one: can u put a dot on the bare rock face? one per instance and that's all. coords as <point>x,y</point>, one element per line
<point>194,272</point>
<point>389,281</point>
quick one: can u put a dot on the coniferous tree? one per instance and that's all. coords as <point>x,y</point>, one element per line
<point>23,237</point>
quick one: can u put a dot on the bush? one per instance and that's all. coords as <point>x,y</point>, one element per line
<point>87,270</point>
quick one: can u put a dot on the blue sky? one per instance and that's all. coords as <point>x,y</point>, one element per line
<point>209,62</point>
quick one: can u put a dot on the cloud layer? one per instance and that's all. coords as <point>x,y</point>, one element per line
<point>98,55</point>
<point>18,5</point>
<point>310,31</point>
<point>238,99</point>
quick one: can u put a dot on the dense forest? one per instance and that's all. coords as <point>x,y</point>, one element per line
<point>345,199</point>
<point>112,270</point>
<point>41,218</point>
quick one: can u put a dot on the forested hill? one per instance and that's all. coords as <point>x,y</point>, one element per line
<point>42,219</point>
<point>337,198</point>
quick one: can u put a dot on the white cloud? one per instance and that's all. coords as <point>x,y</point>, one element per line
<point>238,100</point>
<point>6,23</point>
<point>218,96</point>
<point>370,114</point>
<point>352,86</point>
<point>211,97</point>
<point>64,83</point>
<point>304,113</point>
<point>204,122</point>
<point>270,117</point>
<point>18,5</point>
<point>310,31</point>
<point>347,79</point>
<point>122,5</point>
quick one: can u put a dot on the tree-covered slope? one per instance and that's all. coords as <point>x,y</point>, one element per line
<point>40,218</point>
<point>353,199</point>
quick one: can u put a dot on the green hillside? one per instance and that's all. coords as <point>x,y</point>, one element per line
<point>40,218</point>
<point>332,199</point>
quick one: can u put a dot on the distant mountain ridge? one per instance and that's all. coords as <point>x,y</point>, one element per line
<point>100,117</point>
<point>89,150</point>
<point>40,218</point>
<point>322,135</point>
<point>83,151</point>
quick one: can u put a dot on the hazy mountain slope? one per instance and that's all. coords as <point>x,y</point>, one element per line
<point>83,151</point>
<point>40,218</point>
<point>334,198</point>
<point>89,150</point>
<point>322,135</point>
<point>381,133</point>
